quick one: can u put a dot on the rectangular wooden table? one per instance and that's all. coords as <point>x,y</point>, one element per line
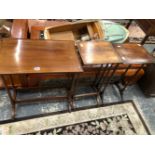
<point>18,57</point>
<point>131,53</point>
<point>99,53</point>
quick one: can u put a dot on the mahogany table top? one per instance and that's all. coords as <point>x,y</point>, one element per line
<point>38,56</point>
<point>98,52</point>
<point>133,53</point>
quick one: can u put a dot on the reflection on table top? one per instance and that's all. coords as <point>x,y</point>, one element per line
<point>133,53</point>
<point>98,52</point>
<point>38,56</point>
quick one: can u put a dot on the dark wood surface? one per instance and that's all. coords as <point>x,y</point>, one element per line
<point>38,56</point>
<point>148,25</point>
<point>133,54</point>
<point>19,28</point>
<point>147,82</point>
<point>98,52</point>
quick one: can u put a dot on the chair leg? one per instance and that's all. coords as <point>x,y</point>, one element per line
<point>129,23</point>
<point>144,40</point>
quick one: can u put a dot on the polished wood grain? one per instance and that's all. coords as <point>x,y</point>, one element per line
<point>98,52</point>
<point>147,82</point>
<point>19,28</point>
<point>133,54</point>
<point>38,56</point>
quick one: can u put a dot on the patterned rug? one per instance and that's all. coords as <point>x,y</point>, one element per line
<point>118,125</point>
<point>116,119</point>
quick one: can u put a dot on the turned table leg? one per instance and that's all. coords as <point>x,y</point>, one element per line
<point>105,80</point>
<point>121,90</point>
<point>72,91</point>
<point>12,99</point>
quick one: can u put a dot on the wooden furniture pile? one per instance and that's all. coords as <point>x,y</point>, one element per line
<point>101,63</point>
<point>21,57</point>
<point>41,29</point>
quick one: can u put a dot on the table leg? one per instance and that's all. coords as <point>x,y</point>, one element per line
<point>72,91</point>
<point>127,82</point>
<point>144,40</point>
<point>121,79</point>
<point>12,100</point>
<point>106,81</point>
<point>103,79</point>
<point>97,75</point>
<point>98,78</point>
<point>100,74</point>
<point>98,97</point>
<point>13,87</point>
<point>129,23</point>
